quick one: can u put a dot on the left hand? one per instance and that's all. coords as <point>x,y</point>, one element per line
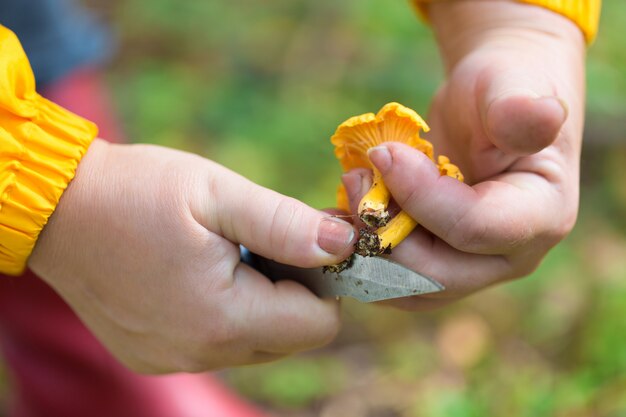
<point>510,115</point>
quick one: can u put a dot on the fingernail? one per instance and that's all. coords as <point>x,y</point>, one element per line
<point>380,157</point>
<point>334,235</point>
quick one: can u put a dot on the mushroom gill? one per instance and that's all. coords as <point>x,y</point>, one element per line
<point>352,139</point>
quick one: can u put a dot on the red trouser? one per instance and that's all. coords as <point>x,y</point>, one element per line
<point>58,368</point>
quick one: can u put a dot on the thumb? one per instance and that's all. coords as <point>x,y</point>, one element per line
<point>521,114</point>
<point>273,225</point>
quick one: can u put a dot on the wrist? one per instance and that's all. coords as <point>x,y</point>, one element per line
<point>63,225</point>
<point>462,27</point>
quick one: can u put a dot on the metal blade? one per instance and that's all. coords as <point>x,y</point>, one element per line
<point>368,279</point>
<point>374,279</point>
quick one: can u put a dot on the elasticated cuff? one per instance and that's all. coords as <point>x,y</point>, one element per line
<point>41,145</point>
<point>585,13</point>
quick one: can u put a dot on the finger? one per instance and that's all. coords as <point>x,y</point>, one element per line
<point>461,273</point>
<point>357,183</point>
<point>492,217</point>
<point>335,212</point>
<point>521,113</point>
<point>283,317</point>
<point>273,225</point>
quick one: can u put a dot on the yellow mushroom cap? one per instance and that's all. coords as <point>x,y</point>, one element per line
<point>393,123</point>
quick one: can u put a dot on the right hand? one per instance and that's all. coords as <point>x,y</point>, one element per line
<point>144,247</point>
<point>510,115</point>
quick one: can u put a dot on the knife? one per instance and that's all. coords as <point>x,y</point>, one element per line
<point>368,279</point>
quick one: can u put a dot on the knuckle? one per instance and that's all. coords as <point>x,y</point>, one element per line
<point>285,220</point>
<point>465,233</point>
<point>467,236</point>
<point>503,233</point>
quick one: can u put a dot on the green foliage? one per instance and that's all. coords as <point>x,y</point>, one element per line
<point>269,77</point>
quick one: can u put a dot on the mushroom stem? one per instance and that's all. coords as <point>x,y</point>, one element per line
<point>373,205</point>
<point>395,231</point>
<point>382,240</point>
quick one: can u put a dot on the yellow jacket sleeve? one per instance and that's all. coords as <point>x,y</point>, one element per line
<point>585,13</point>
<point>41,145</point>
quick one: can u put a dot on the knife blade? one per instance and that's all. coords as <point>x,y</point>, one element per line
<point>368,279</point>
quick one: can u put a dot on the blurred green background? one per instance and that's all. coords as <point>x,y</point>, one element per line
<point>260,86</point>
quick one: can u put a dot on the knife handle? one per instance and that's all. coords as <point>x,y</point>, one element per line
<point>312,278</point>
<point>255,261</point>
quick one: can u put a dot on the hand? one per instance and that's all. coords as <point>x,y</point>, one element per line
<point>510,114</point>
<point>144,247</point>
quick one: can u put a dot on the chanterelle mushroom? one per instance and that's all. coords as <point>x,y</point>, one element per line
<point>393,123</point>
